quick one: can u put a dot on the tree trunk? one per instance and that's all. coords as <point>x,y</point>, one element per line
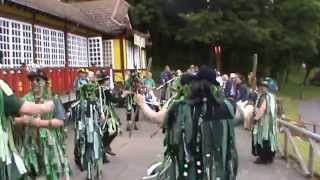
<point>232,60</point>
<point>308,71</point>
<point>286,79</point>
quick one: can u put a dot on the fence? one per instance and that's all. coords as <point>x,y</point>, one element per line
<point>290,131</point>
<point>314,127</point>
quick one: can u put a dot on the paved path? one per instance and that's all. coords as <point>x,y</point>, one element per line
<point>135,155</point>
<point>310,110</point>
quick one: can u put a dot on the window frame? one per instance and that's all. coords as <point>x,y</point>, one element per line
<point>77,50</point>
<point>16,42</point>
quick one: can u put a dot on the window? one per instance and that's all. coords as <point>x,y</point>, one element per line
<point>95,51</point>
<point>50,50</point>
<point>130,54</point>
<point>137,57</point>
<point>143,59</point>
<point>15,42</point>
<point>77,50</point>
<point>108,53</point>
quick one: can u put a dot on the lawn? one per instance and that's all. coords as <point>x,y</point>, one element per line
<point>292,93</point>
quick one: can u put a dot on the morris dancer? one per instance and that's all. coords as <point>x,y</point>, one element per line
<point>11,163</point>
<point>88,133</point>
<point>199,132</point>
<point>43,149</point>
<point>264,132</point>
<point>80,81</point>
<point>132,84</point>
<point>111,126</point>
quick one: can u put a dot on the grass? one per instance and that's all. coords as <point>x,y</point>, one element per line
<point>304,150</point>
<point>292,93</point>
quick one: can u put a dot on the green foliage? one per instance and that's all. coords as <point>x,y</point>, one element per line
<point>293,92</point>
<point>281,32</point>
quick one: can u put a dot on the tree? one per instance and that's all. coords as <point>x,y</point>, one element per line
<point>281,31</point>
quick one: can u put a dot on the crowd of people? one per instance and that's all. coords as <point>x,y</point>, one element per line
<point>233,99</point>
<point>198,110</point>
<point>204,109</point>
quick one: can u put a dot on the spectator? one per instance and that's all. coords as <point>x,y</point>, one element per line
<point>148,81</point>
<point>225,79</point>
<point>219,78</point>
<point>178,72</point>
<point>242,89</point>
<point>195,70</point>
<point>165,76</point>
<point>151,99</point>
<point>231,87</point>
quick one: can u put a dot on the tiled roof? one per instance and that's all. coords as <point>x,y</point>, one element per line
<point>69,12</point>
<point>112,14</point>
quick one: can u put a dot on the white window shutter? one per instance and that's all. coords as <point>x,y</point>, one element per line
<point>77,50</point>
<point>15,42</point>
<point>108,53</point>
<point>95,51</point>
<point>49,47</point>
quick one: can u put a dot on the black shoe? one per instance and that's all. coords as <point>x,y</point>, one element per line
<point>259,161</point>
<point>105,159</point>
<point>111,153</point>
<point>270,161</point>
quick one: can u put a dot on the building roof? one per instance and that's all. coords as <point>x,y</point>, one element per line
<point>65,11</point>
<point>112,14</point>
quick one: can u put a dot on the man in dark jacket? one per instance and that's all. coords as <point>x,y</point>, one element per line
<point>231,87</point>
<point>242,89</point>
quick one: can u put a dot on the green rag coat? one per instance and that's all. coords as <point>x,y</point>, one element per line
<point>217,153</point>
<point>44,150</point>
<point>266,128</point>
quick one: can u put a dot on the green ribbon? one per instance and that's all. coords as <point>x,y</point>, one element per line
<point>45,155</point>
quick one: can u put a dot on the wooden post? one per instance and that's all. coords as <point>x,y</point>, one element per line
<point>285,148</point>
<point>313,139</point>
<point>254,72</point>
<point>297,152</point>
<point>311,159</point>
<point>219,62</point>
<point>312,153</point>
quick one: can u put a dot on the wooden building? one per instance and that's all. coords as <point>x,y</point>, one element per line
<point>63,37</point>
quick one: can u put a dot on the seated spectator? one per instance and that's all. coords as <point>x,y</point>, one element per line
<point>151,99</point>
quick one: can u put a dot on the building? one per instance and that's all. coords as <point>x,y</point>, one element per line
<point>63,37</point>
<point>128,45</point>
